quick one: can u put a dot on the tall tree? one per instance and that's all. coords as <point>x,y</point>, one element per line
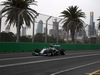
<point>72,18</point>
<point>7,37</point>
<point>16,7</point>
<point>39,37</point>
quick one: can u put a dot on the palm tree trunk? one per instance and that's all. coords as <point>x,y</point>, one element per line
<point>18,31</point>
<point>0,29</point>
<point>18,24</point>
<point>0,25</point>
<point>33,31</point>
<point>18,35</point>
<point>73,33</point>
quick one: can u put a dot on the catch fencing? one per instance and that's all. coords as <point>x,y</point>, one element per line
<point>49,29</point>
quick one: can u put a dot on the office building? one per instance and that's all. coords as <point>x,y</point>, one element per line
<point>40,27</point>
<point>55,25</point>
<point>56,31</point>
<point>91,27</point>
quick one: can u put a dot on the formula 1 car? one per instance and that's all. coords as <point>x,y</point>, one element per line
<point>53,50</point>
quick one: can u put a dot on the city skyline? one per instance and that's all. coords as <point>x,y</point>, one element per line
<point>56,32</point>
<point>49,8</point>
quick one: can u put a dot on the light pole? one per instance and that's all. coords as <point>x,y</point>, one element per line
<point>46,29</point>
<point>18,26</point>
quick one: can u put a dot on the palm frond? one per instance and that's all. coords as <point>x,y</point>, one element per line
<point>14,7</point>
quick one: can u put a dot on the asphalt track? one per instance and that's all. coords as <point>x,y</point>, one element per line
<point>73,63</point>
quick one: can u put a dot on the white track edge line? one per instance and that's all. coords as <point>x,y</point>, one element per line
<point>74,68</point>
<point>40,61</point>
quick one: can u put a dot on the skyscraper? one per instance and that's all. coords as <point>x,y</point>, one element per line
<point>55,25</point>
<point>54,31</point>
<point>91,18</point>
<point>40,27</point>
<point>91,27</point>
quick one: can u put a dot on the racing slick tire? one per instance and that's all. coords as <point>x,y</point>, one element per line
<point>62,52</point>
<point>36,52</point>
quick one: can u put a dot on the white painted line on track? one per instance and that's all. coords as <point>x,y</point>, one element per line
<point>19,58</point>
<point>74,68</point>
<point>82,53</point>
<point>40,56</point>
<point>40,61</point>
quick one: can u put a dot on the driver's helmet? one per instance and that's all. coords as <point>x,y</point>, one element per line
<point>51,45</point>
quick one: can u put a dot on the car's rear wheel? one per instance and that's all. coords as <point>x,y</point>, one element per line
<point>62,52</point>
<point>36,52</point>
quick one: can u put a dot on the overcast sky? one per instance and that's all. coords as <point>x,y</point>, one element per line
<point>55,7</point>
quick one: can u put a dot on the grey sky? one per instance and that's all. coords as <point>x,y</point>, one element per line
<point>55,7</point>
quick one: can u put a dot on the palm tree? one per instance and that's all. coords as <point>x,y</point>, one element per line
<point>16,7</point>
<point>72,18</point>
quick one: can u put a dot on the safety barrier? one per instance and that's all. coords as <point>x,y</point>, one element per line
<point>24,47</point>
